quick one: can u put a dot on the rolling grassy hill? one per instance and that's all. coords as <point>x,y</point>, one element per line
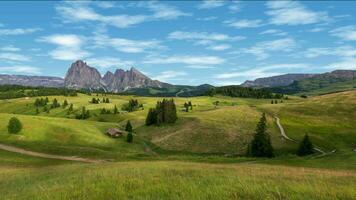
<point>195,158</point>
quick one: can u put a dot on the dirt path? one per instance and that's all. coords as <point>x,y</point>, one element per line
<point>283,133</point>
<point>44,155</point>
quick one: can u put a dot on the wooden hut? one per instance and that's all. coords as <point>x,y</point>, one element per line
<point>115,132</point>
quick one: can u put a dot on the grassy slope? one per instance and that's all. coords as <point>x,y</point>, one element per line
<point>207,130</point>
<point>175,180</point>
<point>67,137</point>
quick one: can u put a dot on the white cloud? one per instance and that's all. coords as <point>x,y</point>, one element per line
<point>244,23</point>
<point>347,63</point>
<point>9,48</point>
<point>126,45</point>
<point>206,18</point>
<point>79,12</point>
<point>206,39</point>
<point>316,29</point>
<point>345,33</point>
<point>273,32</point>
<point>105,4</point>
<point>108,62</point>
<point>165,12</point>
<point>293,13</point>
<point>169,75</point>
<point>14,57</point>
<point>263,71</point>
<point>235,6</point>
<point>18,31</point>
<point>209,4</point>
<point>68,54</point>
<point>342,51</point>
<point>63,40</point>
<point>199,67</point>
<point>182,35</point>
<point>68,46</point>
<point>262,49</point>
<point>189,60</point>
<point>72,12</point>
<point>220,47</point>
<point>20,69</point>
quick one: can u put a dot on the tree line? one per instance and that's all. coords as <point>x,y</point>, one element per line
<point>244,92</point>
<point>17,91</point>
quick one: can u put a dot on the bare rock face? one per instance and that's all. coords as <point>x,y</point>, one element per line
<point>276,81</point>
<point>34,81</point>
<point>82,76</point>
<point>124,80</point>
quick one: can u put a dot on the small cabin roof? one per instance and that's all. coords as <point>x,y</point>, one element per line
<point>114,131</point>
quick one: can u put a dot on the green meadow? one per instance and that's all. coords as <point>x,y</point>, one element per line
<point>201,156</point>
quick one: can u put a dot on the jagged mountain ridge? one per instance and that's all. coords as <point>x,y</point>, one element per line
<point>82,76</point>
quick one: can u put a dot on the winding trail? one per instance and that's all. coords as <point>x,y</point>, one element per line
<point>284,135</point>
<point>44,155</point>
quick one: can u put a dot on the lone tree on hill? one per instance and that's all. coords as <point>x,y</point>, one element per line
<point>186,106</point>
<point>190,105</point>
<point>305,147</point>
<point>115,110</point>
<point>65,103</point>
<point>129,137</point>
<point>261,143</point>
<point>128,127</point>
<point>14,125</point>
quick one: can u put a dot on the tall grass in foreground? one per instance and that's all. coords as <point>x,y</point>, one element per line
<point>175,180</point>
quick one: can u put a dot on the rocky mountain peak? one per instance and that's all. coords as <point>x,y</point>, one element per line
<point>82,76</point>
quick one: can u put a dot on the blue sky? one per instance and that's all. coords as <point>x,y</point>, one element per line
<point>193,42</point>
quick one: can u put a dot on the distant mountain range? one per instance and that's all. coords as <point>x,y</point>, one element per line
<point>34,81</point>
<point>276,81</point>
<point>81,76</point>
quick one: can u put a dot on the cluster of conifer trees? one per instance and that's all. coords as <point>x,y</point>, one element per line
<point>41,102</point>
<point>165,112</point>
<point>132,105</point>
<point>85,114</point>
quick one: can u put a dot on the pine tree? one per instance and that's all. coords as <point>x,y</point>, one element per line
<point>261,143</point>
<point>14,125</point>
<point>70,108</point>
<point>305,147</point>
<point>65,103</point>
<point>37,111</point>
<point>186,106</point>
<point>151,117</point>
<point>128,127</point>
<point>190,105</point>
<point>129,137</point>
<point>115,110</point>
